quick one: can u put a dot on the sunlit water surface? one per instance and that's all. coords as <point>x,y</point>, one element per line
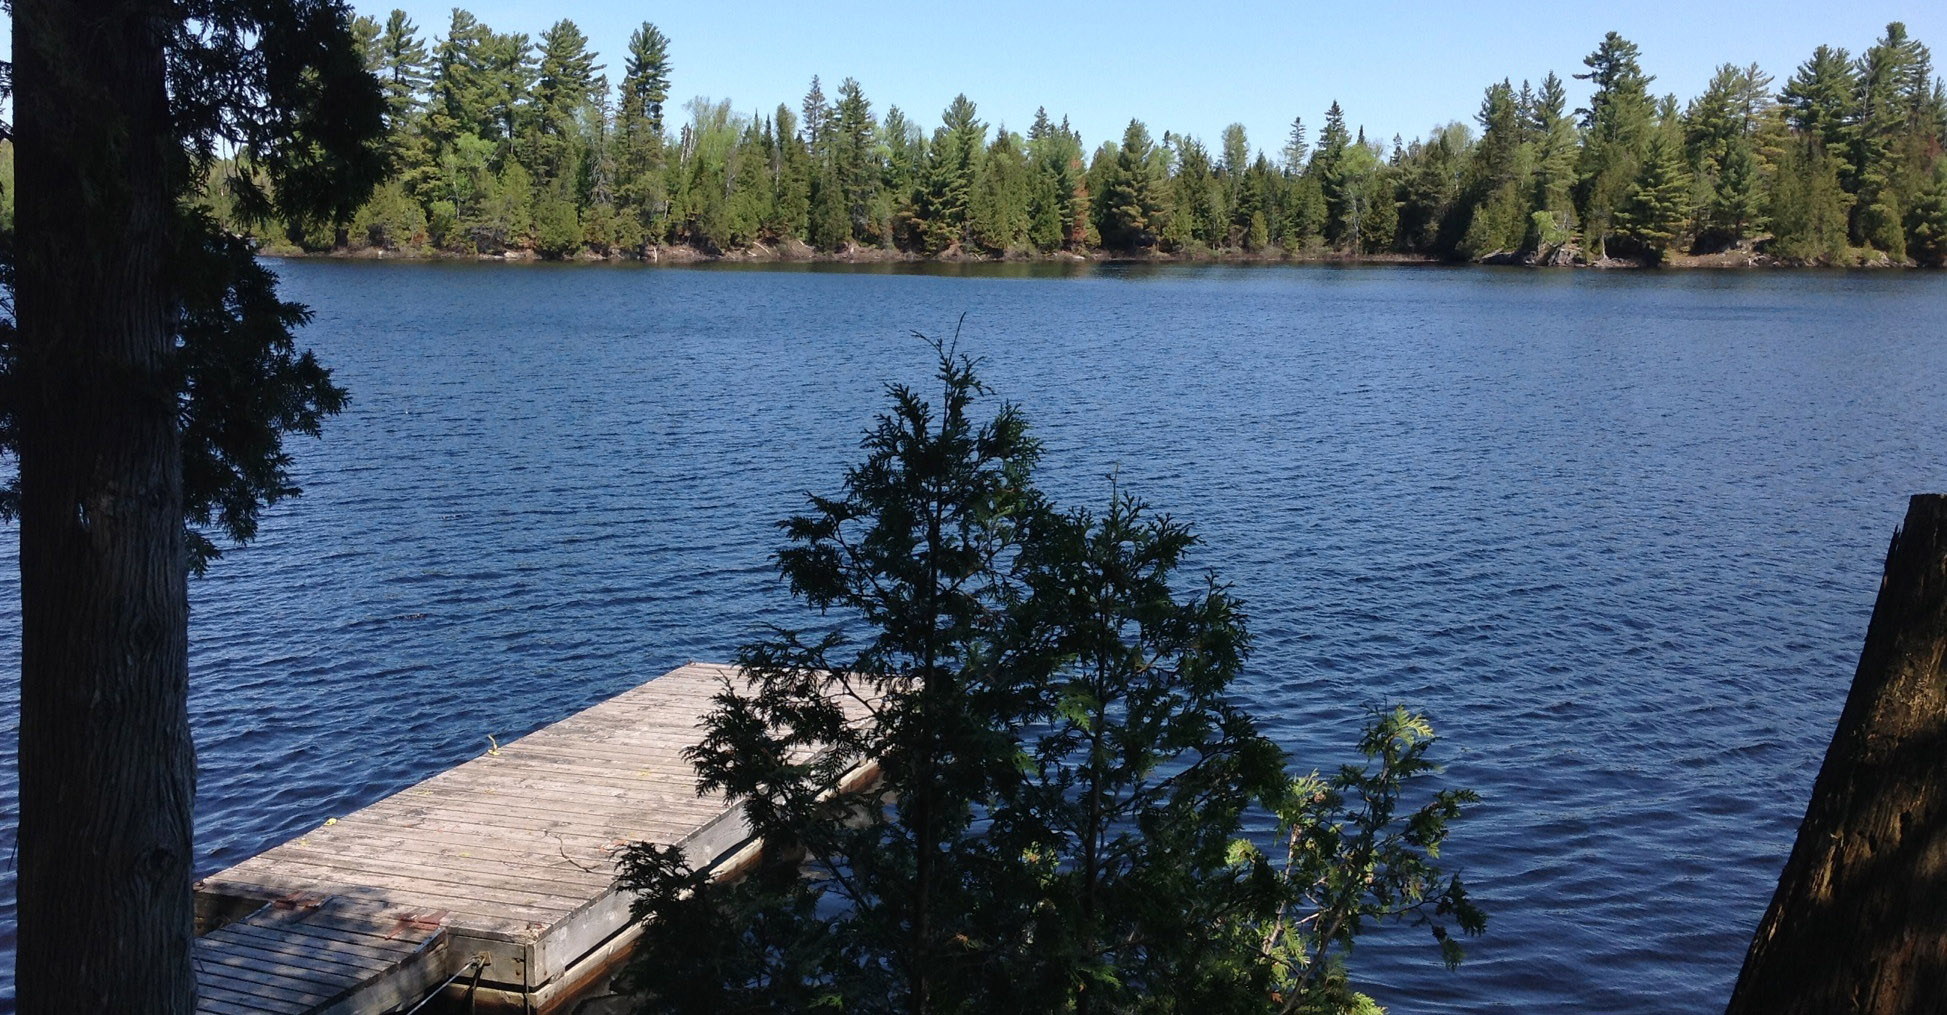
<point>1619,533</point>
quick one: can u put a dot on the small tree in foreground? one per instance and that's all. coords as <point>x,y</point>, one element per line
<point>1063,781</point>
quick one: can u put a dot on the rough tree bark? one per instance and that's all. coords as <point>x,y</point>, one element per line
<point>107,773</point>
<point>1859,921</point>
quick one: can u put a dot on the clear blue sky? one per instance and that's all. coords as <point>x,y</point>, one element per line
<point>1395,67</point>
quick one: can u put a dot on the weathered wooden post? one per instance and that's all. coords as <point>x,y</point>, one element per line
<point>1859,921</point>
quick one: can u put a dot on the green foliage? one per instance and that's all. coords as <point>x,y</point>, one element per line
<point>244,385</point>
<point>998,219</point>
<point>952,166</point>
<point>1926,222</point>
<point>6,186</point>
<point>240,383</point>
<point>457,117</point>
<point>1617,128</point>
<point>1064,776</point>
<point>557,227</point>
<point>390,220</point>
<point>854,161</point>
<point>1129,210</point>
<point>920,549</point>
<point>1656,212</point>
<point>1808,206</point>
<point>1139,782</point>
<point>1353,858</point>
<point>1720,137</point>
<point>1547,230</point>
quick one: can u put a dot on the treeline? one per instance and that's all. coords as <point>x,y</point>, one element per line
<point>502,142</point>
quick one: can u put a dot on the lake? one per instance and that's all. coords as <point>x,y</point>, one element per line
<point>1618,533</point>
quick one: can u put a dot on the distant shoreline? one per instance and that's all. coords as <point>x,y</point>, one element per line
<point>1743,259</point>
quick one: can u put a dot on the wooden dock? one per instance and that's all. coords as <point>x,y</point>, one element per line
<point>497,875</point>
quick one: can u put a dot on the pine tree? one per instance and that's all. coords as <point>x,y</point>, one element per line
<point>1336,184</point>
<point>1720,127</point>
<point>855,160</point>
<point>1656,212</point>
<point>1882,174</point>
<point>791,194</point>
<point>1431,175</point>
<point>568,83</point>
<point>1199,198</point>
<point>463,94</point>
<point>1128,204</point>
<point>508,64</point>
<point>639,140</point>
<point>1617,129</point>
<point>817,119</point>
<point>1808,205</point>
<point>952,164</point>
<point>905,162</point>
<point>1495,199</point>
<point>1237,160</point>
<point>403,70</point>
<point>998,206</point>
<point>1820,98</point>
<point>1295,147</point>
<point>1555,157</point>
<point>1926,223</point>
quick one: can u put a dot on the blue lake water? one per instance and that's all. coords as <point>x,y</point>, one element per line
<point>1619,533</point>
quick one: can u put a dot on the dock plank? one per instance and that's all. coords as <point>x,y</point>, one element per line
<point>508,857</point>
<point>514,848</point>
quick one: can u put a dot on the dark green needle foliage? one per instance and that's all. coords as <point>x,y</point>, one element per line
<point>1357,854</point>
<point>1063,781</point>
<point>245,385</point>
<point>921,549</point>
<point>1141,778</point>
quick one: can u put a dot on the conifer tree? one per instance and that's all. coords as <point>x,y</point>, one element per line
<point>1720,127</point>
<point>1820,98</point>
<point>149,377</point>
<point>952,164</point>
<point>817,118</point>
<point>1199,198</point>
<point>904,145</point>
<point>1128,204</point>
<point>855,162</point>
<point>1064,774</point>
<point>1431,175</point>
<point>568,84</point>
<point>791,193</point>
<point>463,94</point>
<point>1655,214</point>
<point>639,138</point>
<point>403,69</point>
<point>1336,185</point>
<point>1926,223</point>
<point>1296,149</point>
<point>1617,129</point>
<point>1497,207</point>
<point>1881,170</point>
<point>1808,206</point>
<point>1555,157</point>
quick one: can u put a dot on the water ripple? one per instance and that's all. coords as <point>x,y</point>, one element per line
<point>1619,533</point>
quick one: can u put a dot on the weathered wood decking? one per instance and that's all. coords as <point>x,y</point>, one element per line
<point>507,860</point>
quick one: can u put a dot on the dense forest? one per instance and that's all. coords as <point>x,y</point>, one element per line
<point>503,143</point>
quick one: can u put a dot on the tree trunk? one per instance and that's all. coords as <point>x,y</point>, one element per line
<point>1859,922</point>
<point>107,772</point>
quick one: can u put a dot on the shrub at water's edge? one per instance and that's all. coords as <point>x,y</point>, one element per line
<point>1065,780</point>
